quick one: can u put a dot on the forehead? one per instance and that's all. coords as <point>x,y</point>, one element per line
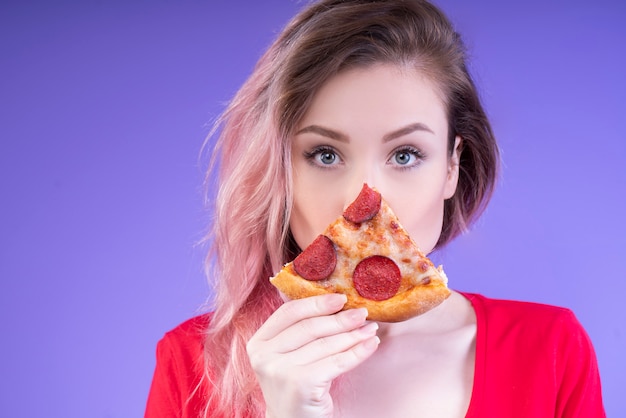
<point>377,95</point>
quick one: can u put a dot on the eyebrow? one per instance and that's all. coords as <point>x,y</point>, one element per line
<point>407,130</point>
<point>338,136</point>
<point>320,130</point>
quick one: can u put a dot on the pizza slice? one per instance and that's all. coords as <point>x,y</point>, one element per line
<point>367,255</point>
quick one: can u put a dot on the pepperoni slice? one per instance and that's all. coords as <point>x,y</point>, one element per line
<point>365,206</point>
<point>377,278</point>
<point>318,260</point>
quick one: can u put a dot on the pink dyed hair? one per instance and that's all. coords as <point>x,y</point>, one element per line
<point>250,238</point>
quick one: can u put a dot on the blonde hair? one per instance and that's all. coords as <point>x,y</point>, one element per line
<point>250,238</point>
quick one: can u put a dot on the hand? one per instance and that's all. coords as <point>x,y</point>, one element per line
<point>303,347</point>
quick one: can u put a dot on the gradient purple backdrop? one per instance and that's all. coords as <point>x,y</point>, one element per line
<point>105,106</point>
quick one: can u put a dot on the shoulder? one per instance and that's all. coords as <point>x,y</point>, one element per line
<point>192,328</point>
<point>529,323</point>
<point>554,360</point>
<point>536,326</point>
<point>514,311</point>
<point>186,340</point>
<point>179,370</point>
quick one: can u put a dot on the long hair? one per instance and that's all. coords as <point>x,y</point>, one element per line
<point>250,237</point>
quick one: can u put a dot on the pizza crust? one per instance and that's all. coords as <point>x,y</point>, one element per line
<point>402,306</point>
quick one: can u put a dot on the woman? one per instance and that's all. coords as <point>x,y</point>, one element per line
<point>361,91</point>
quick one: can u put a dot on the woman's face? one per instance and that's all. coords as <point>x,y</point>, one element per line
<point>379,125</point>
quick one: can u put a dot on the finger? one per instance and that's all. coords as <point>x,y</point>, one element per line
<point>329,368</point>
<point>296,310</point>
<point>332,345</point>
<point>311,329</point>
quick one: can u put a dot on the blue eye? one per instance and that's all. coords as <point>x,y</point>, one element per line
<point>403,157</point>
<point>406,157</point>
<point>323,156</point>
<point>327,157</point>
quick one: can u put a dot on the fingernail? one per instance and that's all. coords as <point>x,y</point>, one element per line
<point>336,300</point>
<point>371,343</point>
<point>369,329</point>
<point>358,315</point>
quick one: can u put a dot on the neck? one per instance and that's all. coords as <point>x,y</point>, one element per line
<point>454,312</point>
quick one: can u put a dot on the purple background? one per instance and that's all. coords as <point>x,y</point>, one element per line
<point>105,106</point>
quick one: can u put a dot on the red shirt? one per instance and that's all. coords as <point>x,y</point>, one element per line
<point>532,360</point>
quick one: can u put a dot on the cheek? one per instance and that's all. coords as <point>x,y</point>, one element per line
<point>423,221</point>
<point>314,208</point>
<point>420,212</point>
